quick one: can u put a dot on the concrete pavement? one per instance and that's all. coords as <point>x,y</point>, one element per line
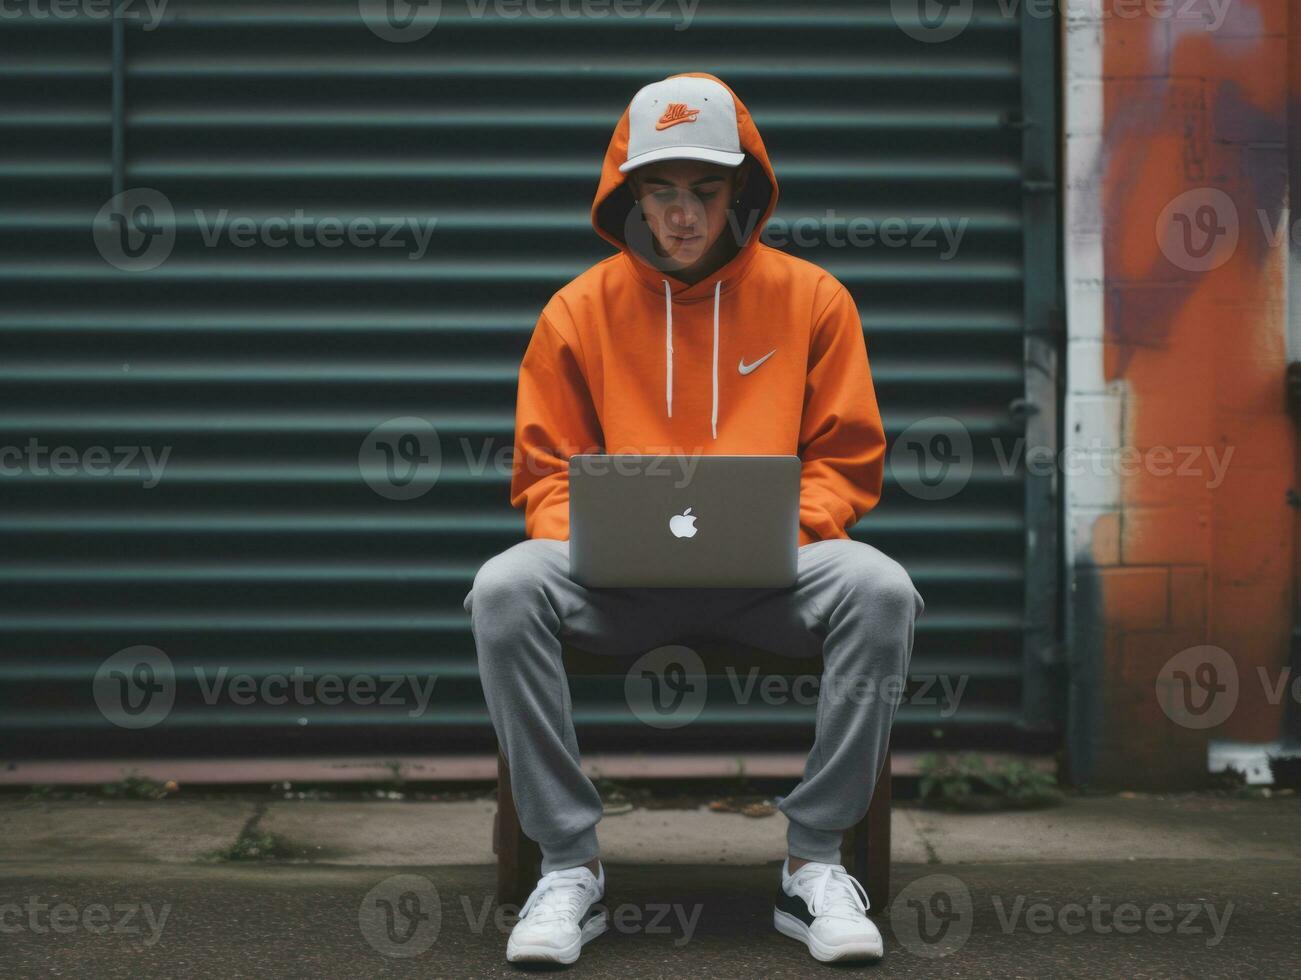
<point>1141,886</point>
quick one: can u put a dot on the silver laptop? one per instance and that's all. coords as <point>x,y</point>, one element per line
<point>683,521</point>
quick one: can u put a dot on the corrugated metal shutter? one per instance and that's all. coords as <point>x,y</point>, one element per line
<point>262,370</point>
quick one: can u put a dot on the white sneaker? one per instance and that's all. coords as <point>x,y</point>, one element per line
<point>820,906</point>
<point>558,917</point>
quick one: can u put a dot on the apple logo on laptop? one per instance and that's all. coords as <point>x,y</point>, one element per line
<point>682,525</point>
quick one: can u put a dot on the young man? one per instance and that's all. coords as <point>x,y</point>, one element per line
<point>695,338</point>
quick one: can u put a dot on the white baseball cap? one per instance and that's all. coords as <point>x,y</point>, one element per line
<point>683,118</point>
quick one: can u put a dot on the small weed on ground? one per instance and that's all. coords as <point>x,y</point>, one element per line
<point>968,782</point>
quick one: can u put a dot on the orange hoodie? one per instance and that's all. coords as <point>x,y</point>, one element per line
<point>628,359</point>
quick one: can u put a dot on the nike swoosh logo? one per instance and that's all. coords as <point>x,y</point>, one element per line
<point>747,368</point>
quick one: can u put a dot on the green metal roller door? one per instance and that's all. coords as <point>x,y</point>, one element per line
<point>261,370</point>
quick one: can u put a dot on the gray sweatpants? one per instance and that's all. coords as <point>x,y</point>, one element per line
<point>850,602</point>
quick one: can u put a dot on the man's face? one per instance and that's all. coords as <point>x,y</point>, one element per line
<point>685,203</point>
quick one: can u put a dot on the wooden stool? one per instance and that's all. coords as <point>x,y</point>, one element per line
<point>865,850</point>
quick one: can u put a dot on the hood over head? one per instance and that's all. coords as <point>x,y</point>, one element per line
<point>692,115</point>
<point>654,127</point>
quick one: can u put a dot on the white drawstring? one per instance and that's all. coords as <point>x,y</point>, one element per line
<point>668,355</point>
<point>713,414</point>
<point>668,348</point>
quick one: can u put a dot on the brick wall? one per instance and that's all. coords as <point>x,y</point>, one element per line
<point>1180,450</point>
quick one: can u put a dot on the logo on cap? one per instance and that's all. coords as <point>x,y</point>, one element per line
<point>676,113</point>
